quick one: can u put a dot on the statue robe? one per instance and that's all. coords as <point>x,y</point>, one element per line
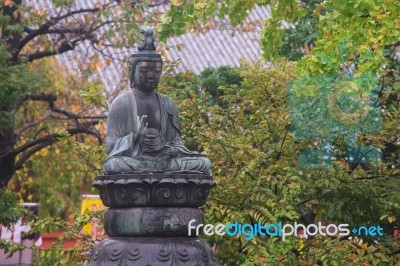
<point>125,155</point>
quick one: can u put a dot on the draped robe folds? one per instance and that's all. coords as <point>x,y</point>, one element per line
<point>129,154</point>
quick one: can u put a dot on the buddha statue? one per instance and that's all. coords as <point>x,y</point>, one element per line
<point>143,130</point>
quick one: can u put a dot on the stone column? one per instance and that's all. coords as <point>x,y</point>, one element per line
<point>147,222</point>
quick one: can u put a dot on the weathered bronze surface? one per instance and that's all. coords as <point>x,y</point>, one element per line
<point>153,251</point>
<point>151,221</point>
<point>143,130</point>
<point>156,190</point>
<point>153,184</point>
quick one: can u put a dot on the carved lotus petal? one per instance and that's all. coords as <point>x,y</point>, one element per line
<point>164,255</point>
<point>115,254</point>
<point>133,253</point>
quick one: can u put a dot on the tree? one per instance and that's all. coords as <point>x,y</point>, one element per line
<point>29,35</point>
<point>324,24</point>
<point>246,135</point>
<point>258,175</point>
<point>79,157</point>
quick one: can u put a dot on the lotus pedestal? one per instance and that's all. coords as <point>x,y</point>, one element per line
<point>147,220</point>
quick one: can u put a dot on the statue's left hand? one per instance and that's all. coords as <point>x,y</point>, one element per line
<point>171,151</point>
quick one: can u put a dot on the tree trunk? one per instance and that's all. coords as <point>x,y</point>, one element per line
<point>7,136</point>
<point>7,156</point>
<point>12,38</point>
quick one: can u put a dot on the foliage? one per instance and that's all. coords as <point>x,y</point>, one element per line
<point>300,37</point>
<point>213,78</point>
<point>246,136</point>
<point>253,153</point>
<point>16,81</point>
<point>10,209</point>
<point>49,140</point>
<point>102,24</point>
<point>183,15</point>
<point>37,109</point>
<point>80,254</point>
<point>362,25</point>
<point>79,158</point>
<point>28,35</point>
<point>57,255</point>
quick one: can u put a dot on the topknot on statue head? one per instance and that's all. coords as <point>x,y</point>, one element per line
<point>147,51</point>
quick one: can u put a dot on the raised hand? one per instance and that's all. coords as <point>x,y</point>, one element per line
<point>142,124</point>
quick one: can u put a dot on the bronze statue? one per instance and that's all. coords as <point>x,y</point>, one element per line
<point>143,131</point>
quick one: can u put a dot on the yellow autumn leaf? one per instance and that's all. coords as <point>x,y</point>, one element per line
<point>383,217</point>
<point>44,152</point>
<point>8,2</point>
<point>138,15</point>
<point>381,16</point>
<point>177,2</point>
<point>96,65</point>
<point>391,219</point>
<point>164,54</point>
<point>75,107</point>
<point>41,12</point>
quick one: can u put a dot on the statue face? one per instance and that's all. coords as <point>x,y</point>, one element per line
<point>147,75</point>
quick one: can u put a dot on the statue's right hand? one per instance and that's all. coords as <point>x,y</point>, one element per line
<point>143,124</point>
<point>142,127</point>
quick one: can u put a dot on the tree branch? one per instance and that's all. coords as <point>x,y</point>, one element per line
<point>66,30</point>
<point>50,98</point>
<point>395,252</point>
<point>75,12</point>
<point>68,114</point>
<point>79,30</point>
<point>64,47</point>
<point>38,144</point>
<point>27,155</point>
<point>76,117</point>
<point>396,175</point>
<point>43,29</point>
<point>29,125</point>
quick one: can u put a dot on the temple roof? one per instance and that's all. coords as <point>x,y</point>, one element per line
<point>197,51</point>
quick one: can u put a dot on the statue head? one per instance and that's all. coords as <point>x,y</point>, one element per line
<point>145,66</point>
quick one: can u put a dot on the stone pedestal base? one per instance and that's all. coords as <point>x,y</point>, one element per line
<point>148,220</point>
<point>151,221</point>
<point>152,251</point>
